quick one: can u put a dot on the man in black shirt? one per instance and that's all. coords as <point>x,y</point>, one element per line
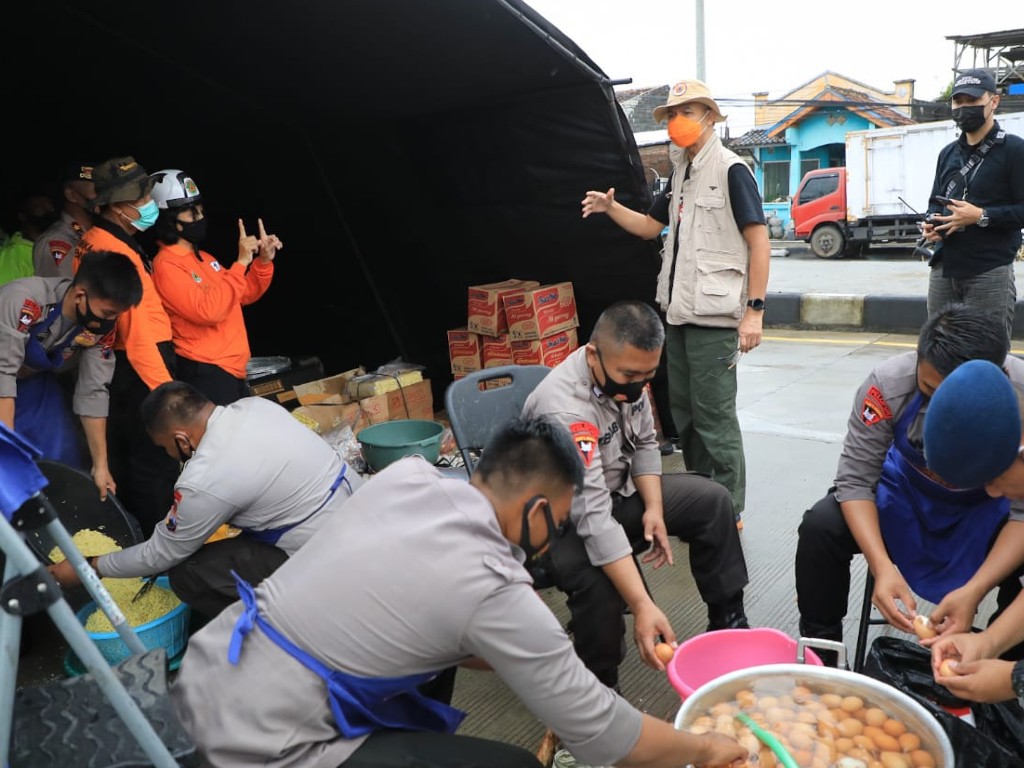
<point>977,203</point>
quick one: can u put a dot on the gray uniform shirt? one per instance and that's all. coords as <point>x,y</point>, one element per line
<point>53,251</point>
<point>27,302</point>
<point>255,467</point>
<point>878,405</point>
<point>414,576</point>
<point>617,441</point>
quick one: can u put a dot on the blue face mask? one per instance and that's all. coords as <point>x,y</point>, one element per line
<point>148,215</point>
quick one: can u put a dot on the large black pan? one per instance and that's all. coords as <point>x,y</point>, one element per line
<point>74,496</point>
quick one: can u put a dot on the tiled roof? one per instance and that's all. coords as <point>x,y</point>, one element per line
<point>755,138</point>
<point>638,105</point>
<point>858,102</point>
<point>864,103</point>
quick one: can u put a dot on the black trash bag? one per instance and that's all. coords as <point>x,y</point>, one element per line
<point>997,738</point>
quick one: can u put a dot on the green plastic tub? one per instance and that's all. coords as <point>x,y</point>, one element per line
<point>385,443</point>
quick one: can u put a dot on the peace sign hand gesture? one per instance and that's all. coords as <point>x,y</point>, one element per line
<point>247,245</point>
<point>269,244</point>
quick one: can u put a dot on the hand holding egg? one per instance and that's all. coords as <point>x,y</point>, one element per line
<point>664,652</point>
<point>923,627</point>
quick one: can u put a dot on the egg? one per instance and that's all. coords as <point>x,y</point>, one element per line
<point>664,652</point>
<point>946,668</point>
<point>923,627</point>
<point>909,742</point>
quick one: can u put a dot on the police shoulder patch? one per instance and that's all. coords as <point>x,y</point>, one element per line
<point>59,249</point>
<point>874,409</point>
<point>585,434</point>
<point>28,315</point>
<point>171,521</point>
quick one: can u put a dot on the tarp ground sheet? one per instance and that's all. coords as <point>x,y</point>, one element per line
<point>403,151</point>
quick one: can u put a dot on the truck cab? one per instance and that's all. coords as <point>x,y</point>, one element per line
<point>819,211</point>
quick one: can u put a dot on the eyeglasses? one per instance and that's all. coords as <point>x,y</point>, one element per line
<point>731,361</point>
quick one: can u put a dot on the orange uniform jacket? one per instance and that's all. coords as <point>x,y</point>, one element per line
<point>141,328</point>
<point>204,301</point>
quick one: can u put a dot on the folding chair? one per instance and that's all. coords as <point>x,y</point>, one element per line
<point>867,620</point>
<point>111,716</point>
<point>485,400</point>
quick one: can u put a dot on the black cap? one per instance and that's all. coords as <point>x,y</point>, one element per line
<point>77,170</point>
<point>974,83</point>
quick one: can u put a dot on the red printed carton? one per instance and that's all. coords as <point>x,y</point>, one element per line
<point>549,351</point>
<point>486,314</point>
<point>464,350</point>
<point>541,312</point>
<point>495,351</point>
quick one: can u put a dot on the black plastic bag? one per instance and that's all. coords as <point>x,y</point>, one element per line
<point>997,738</point>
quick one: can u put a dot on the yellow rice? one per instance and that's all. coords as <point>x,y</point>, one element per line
<point>154,604</point>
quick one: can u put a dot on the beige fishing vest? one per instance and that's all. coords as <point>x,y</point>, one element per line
<point>709,286</point>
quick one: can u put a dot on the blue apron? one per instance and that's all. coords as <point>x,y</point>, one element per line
<point>40,413</point>
<point>273,535</point>
<point>938,537</point>
<point>360,705</point>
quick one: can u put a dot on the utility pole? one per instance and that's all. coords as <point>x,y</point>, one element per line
<point>700,40</point>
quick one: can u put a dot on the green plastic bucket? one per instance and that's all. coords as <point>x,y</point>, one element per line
<point>385,443</point>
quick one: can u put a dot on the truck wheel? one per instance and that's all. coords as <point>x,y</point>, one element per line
<point>828,242</point>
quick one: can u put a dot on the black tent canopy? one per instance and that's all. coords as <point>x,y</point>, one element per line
<point>402,150</point>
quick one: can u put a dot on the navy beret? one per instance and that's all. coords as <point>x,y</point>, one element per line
<point>972,426</point>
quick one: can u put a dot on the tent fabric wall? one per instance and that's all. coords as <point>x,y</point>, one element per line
<point>403,151</point>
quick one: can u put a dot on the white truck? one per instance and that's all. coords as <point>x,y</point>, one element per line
<point>880,196</point>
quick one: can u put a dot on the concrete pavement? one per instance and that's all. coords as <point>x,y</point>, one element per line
<point>886,291</point>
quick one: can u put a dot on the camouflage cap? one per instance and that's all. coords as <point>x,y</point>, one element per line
<point>120,180</point>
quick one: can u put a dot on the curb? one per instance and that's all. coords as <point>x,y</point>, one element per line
<point>853,311</point>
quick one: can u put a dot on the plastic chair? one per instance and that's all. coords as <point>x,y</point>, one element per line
<point>484,400</point>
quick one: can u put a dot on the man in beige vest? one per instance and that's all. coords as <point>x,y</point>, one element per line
<point>713,280</point>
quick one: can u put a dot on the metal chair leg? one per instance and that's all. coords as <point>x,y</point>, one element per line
<point>866,622</point>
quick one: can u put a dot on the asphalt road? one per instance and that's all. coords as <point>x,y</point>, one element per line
<point>797,249</point>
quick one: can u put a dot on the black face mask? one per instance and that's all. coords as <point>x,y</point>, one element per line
<point>621,393</point>
<point>193,231</point>
<point>532,552</point>
<point>969,119</point>
<point>101,326</point>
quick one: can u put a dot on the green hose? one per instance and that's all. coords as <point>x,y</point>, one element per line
<point>768,740</point>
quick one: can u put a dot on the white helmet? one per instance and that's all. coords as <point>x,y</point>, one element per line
<point>174,189</point>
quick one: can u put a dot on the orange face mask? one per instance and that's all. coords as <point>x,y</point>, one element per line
<point>684,131</point>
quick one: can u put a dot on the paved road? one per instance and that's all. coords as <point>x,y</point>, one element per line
<point>891,271</point>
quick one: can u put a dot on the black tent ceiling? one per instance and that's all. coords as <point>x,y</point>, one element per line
<point>402,150</point>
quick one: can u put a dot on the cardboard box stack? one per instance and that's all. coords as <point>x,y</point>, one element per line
<point>517,322</point>
<point>358,399</point>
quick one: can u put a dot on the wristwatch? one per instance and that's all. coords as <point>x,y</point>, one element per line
<point>1017,681</point>
<point>756,304</point>
<point>983,221</point>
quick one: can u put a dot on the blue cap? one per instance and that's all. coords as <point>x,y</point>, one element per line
<point>972,426</point>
